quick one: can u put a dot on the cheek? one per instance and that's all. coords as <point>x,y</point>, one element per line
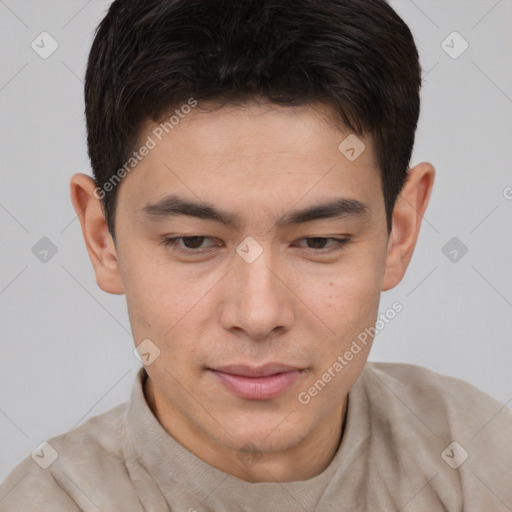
<point>348,304</point>
<point>164,304</point>
<point>151,294</point>
<point>351,297</point>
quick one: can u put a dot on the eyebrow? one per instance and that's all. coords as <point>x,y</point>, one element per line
<point>174,205</point>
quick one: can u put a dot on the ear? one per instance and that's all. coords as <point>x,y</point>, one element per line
<point>408,213</point>
<point>99,242</point>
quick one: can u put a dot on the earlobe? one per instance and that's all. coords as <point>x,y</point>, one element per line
<point>407,216</point>
<point>98,241</point>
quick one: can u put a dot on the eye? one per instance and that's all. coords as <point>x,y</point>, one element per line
<point>194,244</point>
<point>191,244</point>
<point>317,243</point>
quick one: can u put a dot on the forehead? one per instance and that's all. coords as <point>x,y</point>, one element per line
<point>256,130</point>
<point>255,158</point>
<point>253,128</point>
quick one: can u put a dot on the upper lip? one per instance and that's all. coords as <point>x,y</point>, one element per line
<point>256,371</point>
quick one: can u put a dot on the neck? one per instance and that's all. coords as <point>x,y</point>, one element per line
<point>302,461</point>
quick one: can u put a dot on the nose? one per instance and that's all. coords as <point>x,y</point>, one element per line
<point>259,300</point>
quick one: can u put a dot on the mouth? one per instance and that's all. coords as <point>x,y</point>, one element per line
<point>257,383</point>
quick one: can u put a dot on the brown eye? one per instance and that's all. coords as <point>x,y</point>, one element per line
<point>188,245</point>
<point>193,242</point>
<point>318,243</point>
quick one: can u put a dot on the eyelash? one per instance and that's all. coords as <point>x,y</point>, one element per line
<point>171,242</point>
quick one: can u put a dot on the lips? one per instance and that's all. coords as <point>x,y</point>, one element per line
<point>261,371</point>
<point>257,383</point>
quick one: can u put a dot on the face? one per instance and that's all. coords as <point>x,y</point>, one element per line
<point>249,303</point>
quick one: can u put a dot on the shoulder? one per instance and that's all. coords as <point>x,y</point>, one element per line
<point>444,404</point>
<point>425,388</point>
<point>63,472</point>
<point>439,425</point>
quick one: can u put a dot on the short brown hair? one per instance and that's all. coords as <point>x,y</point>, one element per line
<point>151,56</point>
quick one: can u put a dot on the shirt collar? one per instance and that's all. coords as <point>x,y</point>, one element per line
<point>176,469</point>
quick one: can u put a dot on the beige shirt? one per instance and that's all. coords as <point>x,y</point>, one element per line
<point>414,441</point>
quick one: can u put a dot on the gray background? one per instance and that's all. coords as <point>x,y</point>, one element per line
<point>66,348</point>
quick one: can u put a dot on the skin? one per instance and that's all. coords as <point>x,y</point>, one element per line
<point>299,303</point>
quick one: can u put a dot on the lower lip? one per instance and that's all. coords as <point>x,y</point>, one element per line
<point>258,388</point>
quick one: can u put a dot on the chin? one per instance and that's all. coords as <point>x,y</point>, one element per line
<point>259,437</point>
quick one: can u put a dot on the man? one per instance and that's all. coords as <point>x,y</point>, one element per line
<point>252,197</point>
